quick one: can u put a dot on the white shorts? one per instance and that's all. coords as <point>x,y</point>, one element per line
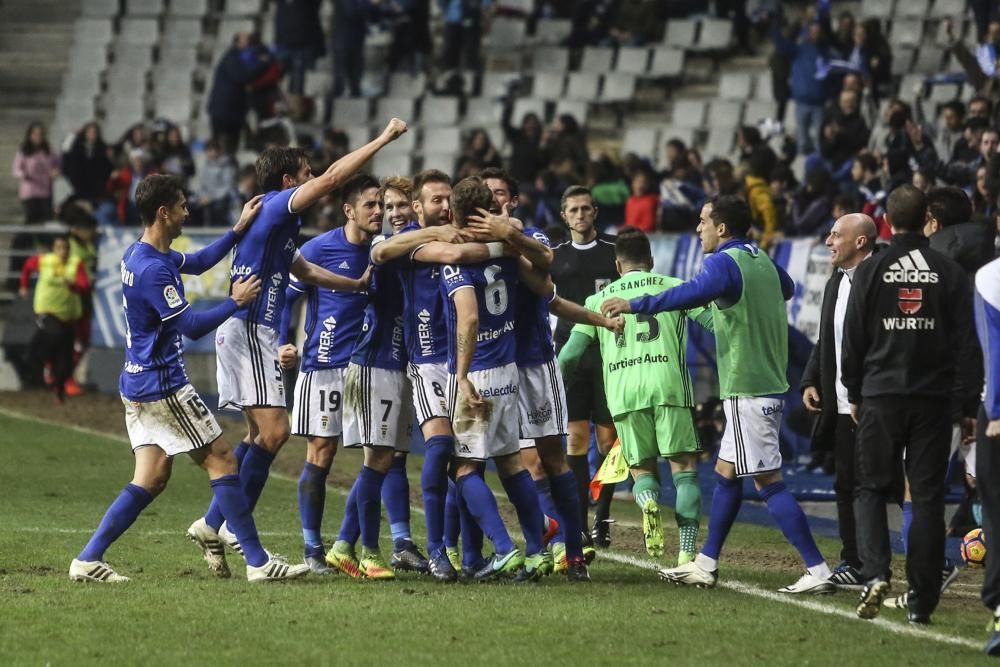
<point>177,424</point>
<point>541,401</point>
<point>318,409</point>
<point>378,409</point>
<point>430,391</point>
<point>492,430</point>
<point>247,369</point>
<point>750,441</point>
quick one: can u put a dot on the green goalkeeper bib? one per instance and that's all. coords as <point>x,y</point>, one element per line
<point>646,365</point>
<point>751,336</point>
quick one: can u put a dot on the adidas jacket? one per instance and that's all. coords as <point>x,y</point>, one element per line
<point>909,328</point>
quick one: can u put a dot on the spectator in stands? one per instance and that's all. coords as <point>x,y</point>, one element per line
<point>463,32</point>
<point>299,42</point>
<point>921,181</point>
<point>868,183</point>
<point>590,23</point>
<point>136,137</point>
<point>36,165</point>
<point>873,55</point>
<point>843,36</point>
<point>643,204</point>
<point>637,23</point>
<point>720,179</point>
<point>173,155</point>
<point>411,47</point>
<point>810,64</point>
<point>984,12</point>
<point>783,185</point>
<point>336,145</point>
<point>350,27</point>
<point>983,204</point>
<point>781,68</point>
<point>812,206</point>
<point>948,131</point>
<point>988,52</point>
<point>228,101</point>
<point>749,143</point>
<point>849,132</point>
<point>87,166</point>
<point>759,196</point>
<point>954,230</point>
<point>246,185</point>
<point>60,280</point>
<point>124,181</point>
<point>868,108</point>
<point>954,172</point>
<point>525,143</point>
<point>608,188</point>
<point>980,107</point>
<point>478,154</point>
<point>216,187</point>
<point>564,148</point>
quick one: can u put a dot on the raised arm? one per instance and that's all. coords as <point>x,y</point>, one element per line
<point>486,227</point>
<point>719,278</point>
<point>438,252</point>
<point>403,245</point>
<point>313,274</point>
<point>338,172</point>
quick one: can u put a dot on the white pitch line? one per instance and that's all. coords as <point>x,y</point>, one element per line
<point>623,559</point>
<point>756,591</point>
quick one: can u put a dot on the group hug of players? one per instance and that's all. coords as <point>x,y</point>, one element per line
<point>443,322</point>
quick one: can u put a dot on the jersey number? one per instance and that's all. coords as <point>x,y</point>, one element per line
<point>438,391</point>
<point>388,409</point>
<point>495,293</point>
<point>650,334</point>
<point>334,400</point>
<point>197,406</point>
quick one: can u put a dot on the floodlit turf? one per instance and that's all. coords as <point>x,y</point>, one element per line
<point>56,482</point>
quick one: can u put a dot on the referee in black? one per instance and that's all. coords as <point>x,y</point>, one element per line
<point>580,267</point>
<point>907,332</point>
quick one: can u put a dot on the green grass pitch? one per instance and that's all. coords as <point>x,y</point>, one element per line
<point>56,481</point>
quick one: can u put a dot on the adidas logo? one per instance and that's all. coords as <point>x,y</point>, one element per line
<point>344,265</point>
<point>760,464</point>
<point>910,268</point>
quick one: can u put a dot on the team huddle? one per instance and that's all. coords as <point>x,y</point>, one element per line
<point>442,322</point>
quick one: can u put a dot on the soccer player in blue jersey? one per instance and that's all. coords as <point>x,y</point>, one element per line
<point>248,369</point>
<point>378,415</point>
<point>483,390</point>
<point>423,247</point>
<point>333,323</point>
<point>163,413</point>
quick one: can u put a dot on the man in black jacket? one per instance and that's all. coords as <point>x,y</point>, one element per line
<point>908,325</point>
<point>952,232</point>
<point>851,241</point>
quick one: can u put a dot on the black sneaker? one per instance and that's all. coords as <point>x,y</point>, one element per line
<point>601,533</point>
<point>409,559</point>
<point>440,567</point>
<point>847,577</point>
<point>918,618</point>
<point>576,570</point>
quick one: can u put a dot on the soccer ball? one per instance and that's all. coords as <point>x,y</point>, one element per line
<point>974,547</point>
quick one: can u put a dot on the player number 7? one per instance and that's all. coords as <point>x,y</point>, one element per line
<point>388,408</point>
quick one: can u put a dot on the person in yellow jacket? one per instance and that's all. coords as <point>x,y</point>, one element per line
<point>60,279</point>
<point>758,195</point>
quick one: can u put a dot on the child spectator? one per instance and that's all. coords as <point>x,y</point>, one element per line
<point>216,187</point>
<point>641,207</point>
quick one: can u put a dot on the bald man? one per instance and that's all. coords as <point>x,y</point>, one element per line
<point>851,241</point>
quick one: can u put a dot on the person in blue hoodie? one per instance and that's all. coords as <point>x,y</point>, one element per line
<point>810,58</point>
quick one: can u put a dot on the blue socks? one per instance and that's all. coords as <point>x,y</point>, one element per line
<point>472,535</point>
<point>521,490</point>
<point>120,515</point>
<point>792,521</point>
<point>452,524</point>
<point>548,505</point>
<point>213,517</point>
<point>312,499</point>
<point>483,507</point>
<point>434,483</point>
<point>369,500</point>
<point>350,527</point>
<point>568,505</point>
<point>907,520</point>
<point>236,509</point>
<point>726,503</point>
<point>396,498</point>
<point>253,473</point>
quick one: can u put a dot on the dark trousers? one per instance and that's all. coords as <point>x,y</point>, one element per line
<point>887,426</point>
<point>348,66</point>
<point>844,483</point>
<point>53,344</point>
<point>988,472</point>
<point>462,42</point>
